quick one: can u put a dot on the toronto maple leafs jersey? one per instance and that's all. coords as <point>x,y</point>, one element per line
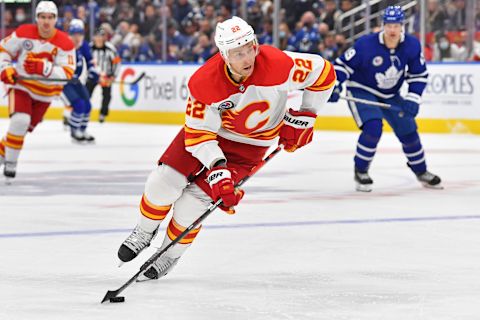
<point>83,52</point>
<point>371,66</point>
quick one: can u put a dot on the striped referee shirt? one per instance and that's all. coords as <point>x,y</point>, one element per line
<point>106,58</point>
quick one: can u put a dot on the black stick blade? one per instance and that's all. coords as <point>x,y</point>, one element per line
<point>110,294</point>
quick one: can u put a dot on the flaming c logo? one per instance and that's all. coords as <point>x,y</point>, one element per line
<point>128,92</point>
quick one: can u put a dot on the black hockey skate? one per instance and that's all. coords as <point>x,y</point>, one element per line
<point>136,242</point>
<point>429,180</point>
<point>9,171</point>
<point>77,136</point>
<point>88,137</point>
<point>159,268</point>
<point>363,181</point>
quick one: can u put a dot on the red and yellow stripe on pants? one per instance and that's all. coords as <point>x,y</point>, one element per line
<point>12,141</point>
<point>174,230</point>
<point>2,149</point>
<point>152,211</point>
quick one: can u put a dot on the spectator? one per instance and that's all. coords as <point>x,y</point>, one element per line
<point>255,17</point>
<point>225,11</point>
<point>209,14</point>
<point>145,51</point>
<point>330,14</point>
<point>436,17</point>
<point>307,38</point>
<point>459,50</point>
<point>203,50</point>
<point>284,35</point>
<point>109,12</point>
<point>181,10</point>
<point>458,16</point>
<point>149,20</point>
<point>266,37</point>
<point>206,27</point>
<point>330,49</point>
<point>342,44</point>
<point>20,16</point>
<point>442,50</point>
<point>120,33</point>
<point>8,19</point>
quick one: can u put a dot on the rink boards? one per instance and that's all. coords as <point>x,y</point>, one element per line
<point>451,102</point>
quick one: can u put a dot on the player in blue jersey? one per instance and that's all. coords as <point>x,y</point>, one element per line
<point>374,69</point>
<point>75,91</point>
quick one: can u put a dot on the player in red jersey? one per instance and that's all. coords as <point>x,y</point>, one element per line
<point>41,52</point>
<point>235,111</point>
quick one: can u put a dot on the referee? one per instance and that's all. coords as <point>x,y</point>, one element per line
<point>107,61</point>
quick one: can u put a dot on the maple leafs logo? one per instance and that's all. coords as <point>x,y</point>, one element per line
<point>389,79</point>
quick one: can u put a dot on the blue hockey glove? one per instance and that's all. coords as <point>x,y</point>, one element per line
<point>336,93</point>
<point>410,107</point>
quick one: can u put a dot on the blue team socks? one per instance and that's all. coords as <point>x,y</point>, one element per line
<point>412,147</point>
<point>367,144</point>
<point>75,120</point>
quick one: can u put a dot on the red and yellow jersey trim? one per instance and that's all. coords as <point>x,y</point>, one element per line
<point>40,88</point>
<point>68,72</point>
<point>174,230</point>
<point>326,80</point>
<point>2,49</point>
<point>194,137</point>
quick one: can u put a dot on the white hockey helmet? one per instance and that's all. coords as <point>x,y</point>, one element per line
<point>76,26</point>
<point>46,7</point>
<point>233,33</point>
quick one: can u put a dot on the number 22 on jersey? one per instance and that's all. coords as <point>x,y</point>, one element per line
<point>303,70</point>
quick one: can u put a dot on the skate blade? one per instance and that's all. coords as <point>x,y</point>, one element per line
<point>8,181</point>
<point>364,187</point>
<point>120,263</point>
<point>142,278</point>
<point>435,187</point>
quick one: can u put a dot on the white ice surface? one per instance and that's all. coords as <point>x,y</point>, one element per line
<point>303,244</point>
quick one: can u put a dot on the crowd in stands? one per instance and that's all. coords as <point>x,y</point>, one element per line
<point>135,26</point>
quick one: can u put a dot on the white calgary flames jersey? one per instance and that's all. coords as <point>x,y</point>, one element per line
<point>59,50</point>
<point>251,112</point>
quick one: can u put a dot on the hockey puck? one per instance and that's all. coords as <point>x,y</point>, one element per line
<point>117,299</point>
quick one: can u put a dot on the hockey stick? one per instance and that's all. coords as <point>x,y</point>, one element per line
<point>76,80</point>
<point>370,102</point>
<point>73,80</point>
<point>134,82</point>
<point>387,106</point>
<point>112,294</point>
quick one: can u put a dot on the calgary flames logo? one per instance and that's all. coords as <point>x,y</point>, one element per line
<point>247,120</point>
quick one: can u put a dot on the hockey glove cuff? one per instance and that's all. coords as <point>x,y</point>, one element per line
<point>38,66</point>
<point>222,185</point>
<point>297,129</point>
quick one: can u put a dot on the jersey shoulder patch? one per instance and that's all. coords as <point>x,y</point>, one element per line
<point>62,40</point>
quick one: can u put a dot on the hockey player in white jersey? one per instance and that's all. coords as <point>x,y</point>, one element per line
<point>41,52</point>
<point>235,111</point>
<point>375,69</point>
